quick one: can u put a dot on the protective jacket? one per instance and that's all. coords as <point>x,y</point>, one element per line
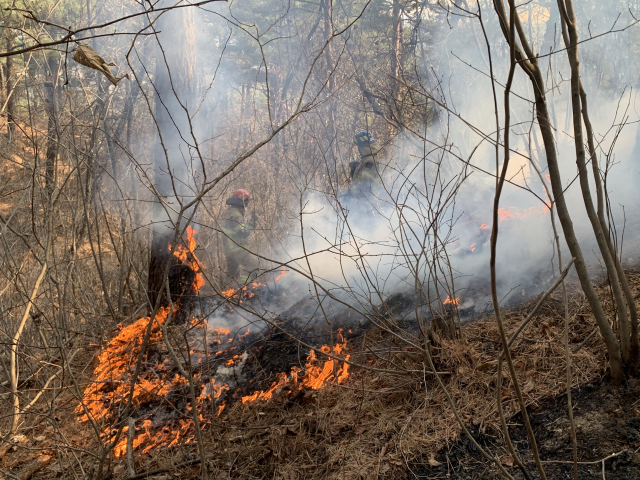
<point>234,226</point>
<point>366,177</point>
<point>242,266</point>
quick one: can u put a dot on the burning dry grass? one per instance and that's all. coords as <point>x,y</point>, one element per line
<point>377,425</point>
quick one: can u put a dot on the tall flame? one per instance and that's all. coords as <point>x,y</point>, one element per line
<point>186,254</point>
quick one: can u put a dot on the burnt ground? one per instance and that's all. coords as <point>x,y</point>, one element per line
<point>607,422</point>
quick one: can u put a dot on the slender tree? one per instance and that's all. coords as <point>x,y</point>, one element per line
<point>174,87</point>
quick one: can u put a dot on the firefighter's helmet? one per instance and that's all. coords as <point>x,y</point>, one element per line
<point>363,138</point>
<point>242,194</point>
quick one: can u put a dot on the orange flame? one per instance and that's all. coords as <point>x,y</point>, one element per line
<point>104,398</point>
<point>317,374</point>
<point>247,294</point>
<point>507,213</point>
<point>455,301</point>
<point>114,371</point>
<point>504,214</point>
<point>186,254</point>
<point>472,247</point>
<point>484,227</point>
<point>282,274</point>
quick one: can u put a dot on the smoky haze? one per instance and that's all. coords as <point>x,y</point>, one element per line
<point>248,64</point>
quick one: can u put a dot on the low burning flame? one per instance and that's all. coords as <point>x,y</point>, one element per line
<point>504,214</point>
<point>316,374</point>
<point>508,213</point>
<point>244,292</point>
<point>283,272</point>
<point>455,301</point>
<point>158,384</point>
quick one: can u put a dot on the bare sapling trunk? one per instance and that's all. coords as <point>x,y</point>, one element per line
<point>174,78</point>
<point>577,94</point>
<point>52,130</point>
<point>494,241</point>
<point>633,362</point>
<point>327,17</point>
<point>11,103</point>
<point>395,49</point>
<point>529,63</point>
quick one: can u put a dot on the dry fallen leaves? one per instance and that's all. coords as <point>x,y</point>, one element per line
<point>507,461</point>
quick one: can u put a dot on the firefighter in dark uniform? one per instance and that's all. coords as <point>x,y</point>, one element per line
<point>364,174</point>
<point>242,266</point>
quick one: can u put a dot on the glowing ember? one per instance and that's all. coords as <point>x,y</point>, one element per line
<point>455,301</point>
<point>232,360</point>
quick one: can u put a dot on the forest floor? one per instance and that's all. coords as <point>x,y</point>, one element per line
<point>381,425</point>
<point>607,424</point>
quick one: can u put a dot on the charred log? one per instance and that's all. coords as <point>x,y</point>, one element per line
<point>181,280</point>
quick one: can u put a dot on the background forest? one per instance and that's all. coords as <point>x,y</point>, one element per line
<point>498,179</point>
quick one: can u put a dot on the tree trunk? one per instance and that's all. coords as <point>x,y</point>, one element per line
<point>578,100</point>
<point>11,105</point>
<point>328,33</point>
<point>395,48</point>
<point>174,90</point>
<point>529,64</point>
<point>52,129</point>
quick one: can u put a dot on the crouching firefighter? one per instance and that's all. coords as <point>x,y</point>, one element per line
<point>242,266</point>
<point>364,174</point>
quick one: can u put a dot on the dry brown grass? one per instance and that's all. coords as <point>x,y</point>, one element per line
<point>376,426</point>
